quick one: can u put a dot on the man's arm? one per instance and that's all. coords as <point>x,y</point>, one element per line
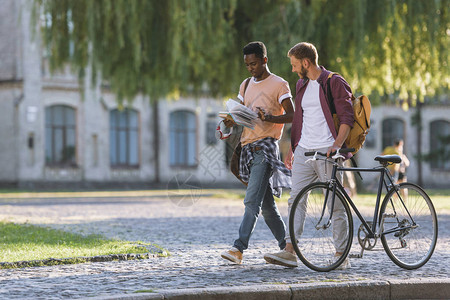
<point>344,130</point>
<point>286,118</point>
<point>342,95</point>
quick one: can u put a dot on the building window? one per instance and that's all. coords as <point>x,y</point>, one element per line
<point>439,155</point>
<point>124,138</point>
<point>60,136</point>
<point>211,132</point>
<point>371,140</point>
<point>392,129</point>
<point>183,139</point>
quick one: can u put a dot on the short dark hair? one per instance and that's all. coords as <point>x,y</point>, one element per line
<point>304,50</point>
<point>257,48</point>
<point>397,142</point>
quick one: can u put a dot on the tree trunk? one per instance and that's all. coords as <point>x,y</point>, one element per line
<point>419,143</point>
<point>156,140</point>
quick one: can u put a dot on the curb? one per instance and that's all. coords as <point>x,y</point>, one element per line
<point>393,289</point>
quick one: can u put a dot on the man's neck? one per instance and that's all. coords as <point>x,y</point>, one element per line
<point>315,73</point>
<point>263,76</point>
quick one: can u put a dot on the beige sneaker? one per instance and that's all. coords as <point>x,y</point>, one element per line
<point>282,258</point>
<point>345,264</point>
<point>233,255</point>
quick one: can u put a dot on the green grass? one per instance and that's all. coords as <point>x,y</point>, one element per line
<point>440,198</point>
<point>144,291</point>
<point>228,194</point>
<point>24,242</point>
<point>440,201</point>
<point>239,194</point>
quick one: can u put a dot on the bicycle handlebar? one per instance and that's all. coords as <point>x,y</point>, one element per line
<point>342,150</point>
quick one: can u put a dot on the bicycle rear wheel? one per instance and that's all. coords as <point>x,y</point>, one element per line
<point>410,226</point>
<point>315,241</point>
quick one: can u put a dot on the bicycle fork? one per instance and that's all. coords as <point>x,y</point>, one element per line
<point>332,185</point>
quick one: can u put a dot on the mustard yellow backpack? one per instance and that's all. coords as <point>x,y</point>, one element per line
<point>361,111</point>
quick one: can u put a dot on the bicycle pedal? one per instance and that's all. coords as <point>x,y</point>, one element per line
<point>403,243</point>
<point>355,256</point>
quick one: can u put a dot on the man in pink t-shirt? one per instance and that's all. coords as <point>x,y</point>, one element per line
<point>260,166</point>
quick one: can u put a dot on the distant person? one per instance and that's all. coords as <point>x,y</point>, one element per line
<point>313,129</point>
<point>398,171</point>
<point>260,164</point>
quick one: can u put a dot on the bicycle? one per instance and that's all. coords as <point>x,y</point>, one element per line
<point>406,221</point>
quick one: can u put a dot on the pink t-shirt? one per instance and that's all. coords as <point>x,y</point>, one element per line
<point>267,94</point>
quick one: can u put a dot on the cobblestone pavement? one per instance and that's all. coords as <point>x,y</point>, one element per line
<point>195,235</point>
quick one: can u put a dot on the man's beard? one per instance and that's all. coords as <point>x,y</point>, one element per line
<point>303,73</point>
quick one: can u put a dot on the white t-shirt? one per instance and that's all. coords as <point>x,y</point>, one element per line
<point>315,131</point>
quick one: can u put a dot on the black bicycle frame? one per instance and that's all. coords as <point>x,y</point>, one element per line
<point>335,183</point>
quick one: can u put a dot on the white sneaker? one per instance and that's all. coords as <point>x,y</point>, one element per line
<point>233,255</point>
<point>282,258</point>
<point>344,265</point>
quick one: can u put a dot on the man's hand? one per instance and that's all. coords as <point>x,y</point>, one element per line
<point>332,149</point>
<point>281,119</point>
<point>229,123</point>
<point>344,130</point>
<point>289,159</point>
<point>261,114</point>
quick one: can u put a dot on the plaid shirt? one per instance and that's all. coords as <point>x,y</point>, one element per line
<point>281,176</point>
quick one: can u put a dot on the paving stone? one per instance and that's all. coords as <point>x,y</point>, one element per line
<point>193,235</point>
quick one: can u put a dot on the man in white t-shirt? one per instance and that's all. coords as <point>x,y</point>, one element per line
<point>313,129</point>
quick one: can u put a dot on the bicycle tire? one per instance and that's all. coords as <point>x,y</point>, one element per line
<point>409,248</point>
<point>315,246</point>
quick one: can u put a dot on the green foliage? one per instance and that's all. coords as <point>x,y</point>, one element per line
<point>150,46</point>
<point>388,49</point>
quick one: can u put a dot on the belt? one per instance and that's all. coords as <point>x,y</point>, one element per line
<point>255,148</point>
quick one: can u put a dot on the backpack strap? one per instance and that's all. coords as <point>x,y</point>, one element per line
<point>355,165</point>
<point>330,101</point>
<point>247,81</point>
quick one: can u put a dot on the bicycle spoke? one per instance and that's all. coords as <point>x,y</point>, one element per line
<point>316,247</point>
<point>409,246</point>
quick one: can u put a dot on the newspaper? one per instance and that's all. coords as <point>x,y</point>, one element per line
<point>240,114</point>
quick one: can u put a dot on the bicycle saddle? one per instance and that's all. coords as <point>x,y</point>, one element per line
<point>388,158</point>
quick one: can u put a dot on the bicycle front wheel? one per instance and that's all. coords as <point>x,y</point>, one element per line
<point>315,239</point>
<point>410,228</point>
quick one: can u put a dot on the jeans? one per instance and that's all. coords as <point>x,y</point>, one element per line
<point>259,197</point>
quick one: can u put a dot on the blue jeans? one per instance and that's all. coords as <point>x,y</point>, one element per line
<point>259,197</point>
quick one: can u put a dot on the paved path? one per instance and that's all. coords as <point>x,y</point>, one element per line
<point>195,235</point>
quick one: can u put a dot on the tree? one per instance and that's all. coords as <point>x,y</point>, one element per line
<point>392,50</point>
<point>152,47</point>
<point>388,49</point>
